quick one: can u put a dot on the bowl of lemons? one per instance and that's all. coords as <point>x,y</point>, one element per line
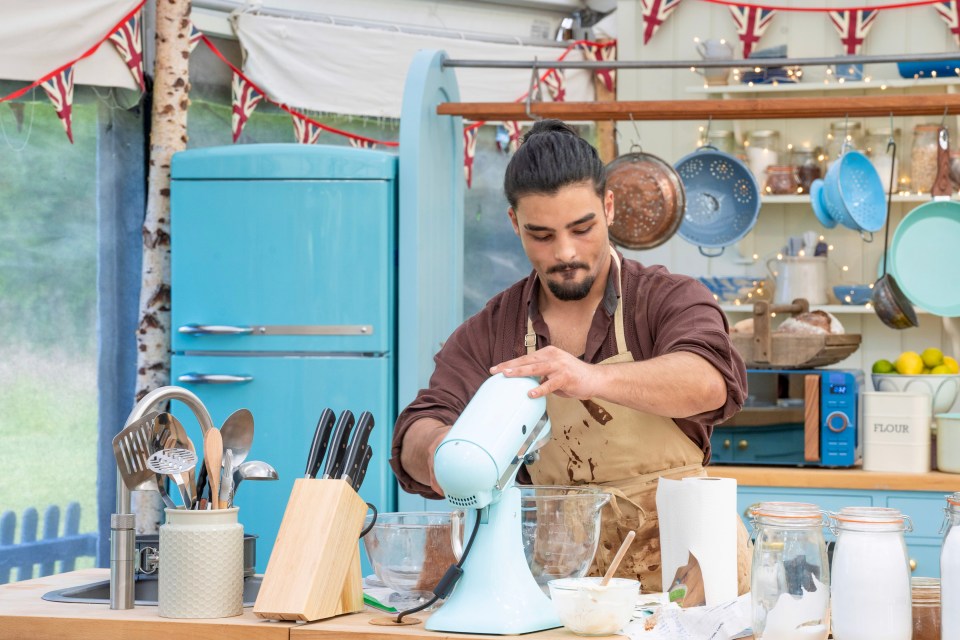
<point>929,372</point>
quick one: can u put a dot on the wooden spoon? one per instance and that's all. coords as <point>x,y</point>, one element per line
<point>212,460</point>
<point>622,551</point>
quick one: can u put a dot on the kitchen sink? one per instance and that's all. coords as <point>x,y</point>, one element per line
<point>144,592</point>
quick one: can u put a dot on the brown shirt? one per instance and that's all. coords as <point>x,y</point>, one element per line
<point>663,313</point>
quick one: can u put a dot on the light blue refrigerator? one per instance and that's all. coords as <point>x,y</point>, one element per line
<point>284,268</point>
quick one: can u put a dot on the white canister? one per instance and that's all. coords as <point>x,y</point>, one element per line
<point>896,431</point>
<point>201,564</point>
<point>799,277</point>
<point>948,442</point>
<point>870,595</point>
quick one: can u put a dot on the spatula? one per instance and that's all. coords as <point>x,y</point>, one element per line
<point>132,447</point>
<point>174,463</point>
<point>212,460</point>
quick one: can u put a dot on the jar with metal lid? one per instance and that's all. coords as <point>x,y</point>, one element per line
<point>790,576</point>
<point>721,140</point>
<point>806,161</point>
<point>926,608</point>
<point>844,135</point>
<point>923,157</point>
<point>781,180</point>
<point>875,147</point>
<point>950,567</point>
<point>870,590</point>
<point>762,150</point>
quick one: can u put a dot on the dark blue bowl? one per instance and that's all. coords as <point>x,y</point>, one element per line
<point>942,68</point>
<point>853,293</point>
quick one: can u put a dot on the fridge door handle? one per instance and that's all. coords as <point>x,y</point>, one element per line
<point>214,329</point>
<point>213,378</point>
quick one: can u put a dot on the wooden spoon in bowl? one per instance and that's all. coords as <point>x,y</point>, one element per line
<point>212,460</point>
<point>622,551</point>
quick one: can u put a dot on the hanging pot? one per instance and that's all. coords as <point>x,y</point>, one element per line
<point>723,199</point>
<point>648,200</point>
<point>891,305</point>
<point>925,245</point>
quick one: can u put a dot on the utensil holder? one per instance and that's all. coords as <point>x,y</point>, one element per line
<point>202,566</point>
<point>314,568</point>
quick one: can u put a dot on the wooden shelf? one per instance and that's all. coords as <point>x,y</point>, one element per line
<point>806,478</point>
<point>833,85</point>
<point>804,198</point>
<point>835,309</point>
<point>739,108</point>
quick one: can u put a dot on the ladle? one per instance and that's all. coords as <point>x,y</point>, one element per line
<point>617,559</point>
<point>891,305</point>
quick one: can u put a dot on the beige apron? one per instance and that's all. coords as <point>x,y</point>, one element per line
<point>623,451</point>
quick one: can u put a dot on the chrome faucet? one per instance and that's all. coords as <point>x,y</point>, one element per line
<point>122,534</point>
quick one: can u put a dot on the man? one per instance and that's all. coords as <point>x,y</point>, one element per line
<point>635,362</point>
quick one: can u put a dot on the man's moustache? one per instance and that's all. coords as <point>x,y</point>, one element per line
<point>566,267</point>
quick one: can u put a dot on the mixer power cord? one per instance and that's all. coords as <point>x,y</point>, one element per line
<point>449,579</point>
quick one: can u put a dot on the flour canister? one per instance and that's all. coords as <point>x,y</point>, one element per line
<point>896,431</point>
<point>201,564</point>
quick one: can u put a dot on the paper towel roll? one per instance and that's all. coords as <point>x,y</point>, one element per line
<point>698,516</point>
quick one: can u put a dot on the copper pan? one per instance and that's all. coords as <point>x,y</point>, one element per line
<point>649,200</point>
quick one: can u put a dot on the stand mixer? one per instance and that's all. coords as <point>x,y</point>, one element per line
<point>476,466</point>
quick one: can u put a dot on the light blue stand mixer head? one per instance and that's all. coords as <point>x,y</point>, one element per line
<point>476,466</point>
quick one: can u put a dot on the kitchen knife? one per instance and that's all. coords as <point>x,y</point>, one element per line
<point>337,450</point>
<point>321,438</point>
<point>362,471</point>
<point>351,463</point>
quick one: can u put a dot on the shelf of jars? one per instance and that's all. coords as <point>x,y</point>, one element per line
<point>767,198</point>
<point>835,309</point>
<point>828,84</point>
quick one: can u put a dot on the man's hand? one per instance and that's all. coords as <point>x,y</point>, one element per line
<point>560,373</point>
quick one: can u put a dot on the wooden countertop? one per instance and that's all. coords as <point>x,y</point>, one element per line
<point>806,478</point>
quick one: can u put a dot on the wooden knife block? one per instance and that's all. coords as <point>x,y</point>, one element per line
<point>314,568</point>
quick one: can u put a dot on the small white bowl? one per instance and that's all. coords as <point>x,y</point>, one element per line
<point>589,609</point>
<point>942,388</point>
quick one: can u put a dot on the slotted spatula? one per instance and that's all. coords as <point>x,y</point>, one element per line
<point>132,447</point>
<point>174,463</point>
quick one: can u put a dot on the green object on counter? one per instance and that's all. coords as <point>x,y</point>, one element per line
<point>370,601</point>
<point>677,594</point>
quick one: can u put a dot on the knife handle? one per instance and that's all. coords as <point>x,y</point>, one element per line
<point>338,445</point>
<point>362,471</point>
<point>320,441</point>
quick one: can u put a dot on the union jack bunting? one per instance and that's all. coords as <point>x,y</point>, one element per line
<point>361,143</point>
<point>602,51</point>
<point>751,23</point>
<point>950,14</point>
<point>469,149</point>
<point>128,41</point>
<point>245,100</point>
<point>853,27</point>
<point>513,134</point>
<point>195,35</point>
<point>655,13</point>
<point>556,85</point>
<point>59,88</point>
<point>305,131</point>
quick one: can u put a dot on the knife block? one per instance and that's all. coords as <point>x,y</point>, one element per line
<point>314,568</point>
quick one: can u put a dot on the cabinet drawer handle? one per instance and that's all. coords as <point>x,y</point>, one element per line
<point>212,378</point>
<point>913,565</point>
<point>726,443</point>
<point>743,444</point>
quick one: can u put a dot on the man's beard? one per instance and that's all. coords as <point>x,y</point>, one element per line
<point>570,291</point>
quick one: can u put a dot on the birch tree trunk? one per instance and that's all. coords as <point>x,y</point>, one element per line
<point>168,134</point>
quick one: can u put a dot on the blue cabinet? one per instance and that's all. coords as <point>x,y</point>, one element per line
<point>925,509</point>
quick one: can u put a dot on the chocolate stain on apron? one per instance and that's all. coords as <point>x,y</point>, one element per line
<point>623,451</point>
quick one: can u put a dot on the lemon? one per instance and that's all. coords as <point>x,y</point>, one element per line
<point>940,369</point>
<point>932,357</point>
<point>909,363</point>
<point>951,365</point>
<point>883,366</point>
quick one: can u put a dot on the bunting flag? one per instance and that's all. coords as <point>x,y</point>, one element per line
<point>602,51</point>
<point>245,100</point>
<point>655,13</point>
<point>305,131</point>
<point>751,21</point>
<point>128,41</point>
<point>195,36</point>
<point>469,149</point>
<point>362,143</point>
<point>951,15</point>
<point>556,85</point>
<point>853,26</point>
<point>59,87</point>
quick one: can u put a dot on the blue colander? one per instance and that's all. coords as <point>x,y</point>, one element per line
<point>723,199</point>
<point>854,193</point>
<point>819,206</point>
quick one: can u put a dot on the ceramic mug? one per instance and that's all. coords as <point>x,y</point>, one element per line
<point>799,277</point>
<point>715,50</point>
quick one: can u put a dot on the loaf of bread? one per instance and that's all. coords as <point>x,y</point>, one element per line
<point>811,323</point>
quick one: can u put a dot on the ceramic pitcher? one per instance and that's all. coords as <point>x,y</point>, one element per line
<point>799,277</point>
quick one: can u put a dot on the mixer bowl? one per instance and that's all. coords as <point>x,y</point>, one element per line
<point>561,529</point>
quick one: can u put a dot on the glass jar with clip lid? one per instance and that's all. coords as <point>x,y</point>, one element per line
<point>870,592</point>
<point>950,567</point>
<point>790,577</point>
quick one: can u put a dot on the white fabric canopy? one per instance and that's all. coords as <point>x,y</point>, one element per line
<point>39,36</point>
<point>361,71</point>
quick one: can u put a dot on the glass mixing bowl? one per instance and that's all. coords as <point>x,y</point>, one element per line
<point>561,529</point>
<point>410,552</point>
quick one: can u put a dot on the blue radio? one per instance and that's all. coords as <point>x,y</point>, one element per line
<point>799,417</point>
